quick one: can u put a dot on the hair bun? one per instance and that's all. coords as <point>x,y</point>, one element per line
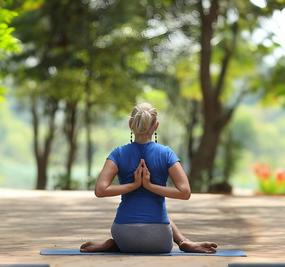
<point>142,118</point>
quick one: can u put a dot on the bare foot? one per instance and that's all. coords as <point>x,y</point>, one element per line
<point>199,247</point>
<point>107,246</point>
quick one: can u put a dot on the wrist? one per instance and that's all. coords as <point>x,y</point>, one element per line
<point>135,185</point>
<point>147,185</point>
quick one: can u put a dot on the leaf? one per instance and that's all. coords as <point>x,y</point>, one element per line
<point>139,61</point>
<point>2,93</point>
<point>156,97</point>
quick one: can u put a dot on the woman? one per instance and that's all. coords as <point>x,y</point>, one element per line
<point>143,166</point>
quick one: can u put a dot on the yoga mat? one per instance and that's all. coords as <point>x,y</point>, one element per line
<point>222,253</point>
<point>24,265</point>
<point>256,265</point>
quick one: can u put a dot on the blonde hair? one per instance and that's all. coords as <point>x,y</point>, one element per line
<point>143,117</point>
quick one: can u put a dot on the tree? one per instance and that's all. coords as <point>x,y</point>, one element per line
<point>216,114</point>
<point>217,33</point>
<point>8,43</point>
<point>76,68</point>
<point>41,57</point>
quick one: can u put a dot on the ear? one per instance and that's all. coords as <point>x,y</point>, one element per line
<point>156,125</point>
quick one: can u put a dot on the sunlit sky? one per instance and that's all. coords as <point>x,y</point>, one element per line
<point>274,25</point>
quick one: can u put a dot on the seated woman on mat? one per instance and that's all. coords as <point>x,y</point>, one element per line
<point>142,224</point>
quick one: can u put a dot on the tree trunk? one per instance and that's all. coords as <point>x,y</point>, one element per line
<point>41,173</point>
<point>203,160</point>
<point>229,159</point>
<point>89,144</point>
<point>89,103</point>
<point>215,115</point>
<point>42,153</point>
<point>191,127</point>
<point>71,135</point>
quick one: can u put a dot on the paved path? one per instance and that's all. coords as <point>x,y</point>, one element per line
<point>31,220</point>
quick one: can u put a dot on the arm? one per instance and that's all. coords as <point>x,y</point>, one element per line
<point>179,178</point>
<point>104,187</point>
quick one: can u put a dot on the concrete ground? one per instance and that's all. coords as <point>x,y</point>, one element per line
<point>32,220</point>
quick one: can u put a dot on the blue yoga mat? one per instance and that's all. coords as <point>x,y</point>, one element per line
<point>256,265</point>
<point>222,253</point>
<point>24,265</point>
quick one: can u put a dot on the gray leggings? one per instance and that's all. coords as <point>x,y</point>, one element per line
<point>143,237</point>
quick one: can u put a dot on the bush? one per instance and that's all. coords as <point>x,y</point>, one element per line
<point>61,183</point>
<point>269,182</point>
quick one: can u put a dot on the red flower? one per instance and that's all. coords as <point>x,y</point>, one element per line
<point>262,171</point>
<point>280,175</point>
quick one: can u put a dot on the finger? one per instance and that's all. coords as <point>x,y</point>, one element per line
<point>138,167</point>
<point>140,171</point>
<point>144,172</point>
<point>144,164</point>
<point>147,170</point>
<point>136,171</point>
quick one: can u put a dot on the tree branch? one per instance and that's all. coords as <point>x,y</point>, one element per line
<point>51,130</point>
<point>35,121</point>
<point>207,27</point>
<point>228,113</point>
<point>225,62</point>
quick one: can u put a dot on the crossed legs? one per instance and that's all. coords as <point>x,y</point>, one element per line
<point>183,243</point>
<point>187,245</point>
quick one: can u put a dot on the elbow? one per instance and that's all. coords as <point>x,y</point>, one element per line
<point>99,192</point>
<point>186,194</point>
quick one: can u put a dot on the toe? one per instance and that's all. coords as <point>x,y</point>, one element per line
<point>211,250</point>
<point>83,246</point>
<point>86,244</point>
<point>83,249</point>
<point>210,245</point>
<point>88,249</point>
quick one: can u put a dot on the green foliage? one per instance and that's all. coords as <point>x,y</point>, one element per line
<point>271,186</point>
<point>269,183</point>
<point>273,80</point>
<point>255,128</point>
<point>12,133</point>
<point>60,182</point>
<point>157,98</point>
<point>115,53</point>
<point>2,93</point>
<point>187,75</point>
<point>139,62</point>
<point>8,43</point>
<point>66,84</point>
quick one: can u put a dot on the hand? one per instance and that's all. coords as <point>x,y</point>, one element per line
<point>138,176</point>
<point>145,175</point>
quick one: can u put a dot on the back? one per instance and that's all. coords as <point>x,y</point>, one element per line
<point>141,205</point>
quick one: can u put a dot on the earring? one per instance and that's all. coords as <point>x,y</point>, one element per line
<point>131,137</point>
<point>155,137</point>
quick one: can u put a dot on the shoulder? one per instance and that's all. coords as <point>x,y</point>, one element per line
<point>169,155</point>
<point>121,149</point>
<point>164,148</point>
<point>117,153</point>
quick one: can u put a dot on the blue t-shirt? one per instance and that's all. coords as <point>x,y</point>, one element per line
<point>141,205</point>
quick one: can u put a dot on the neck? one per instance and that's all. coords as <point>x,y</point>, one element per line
<point>142,139</point>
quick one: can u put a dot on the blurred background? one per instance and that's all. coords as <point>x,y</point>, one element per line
<point>71,71</point>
